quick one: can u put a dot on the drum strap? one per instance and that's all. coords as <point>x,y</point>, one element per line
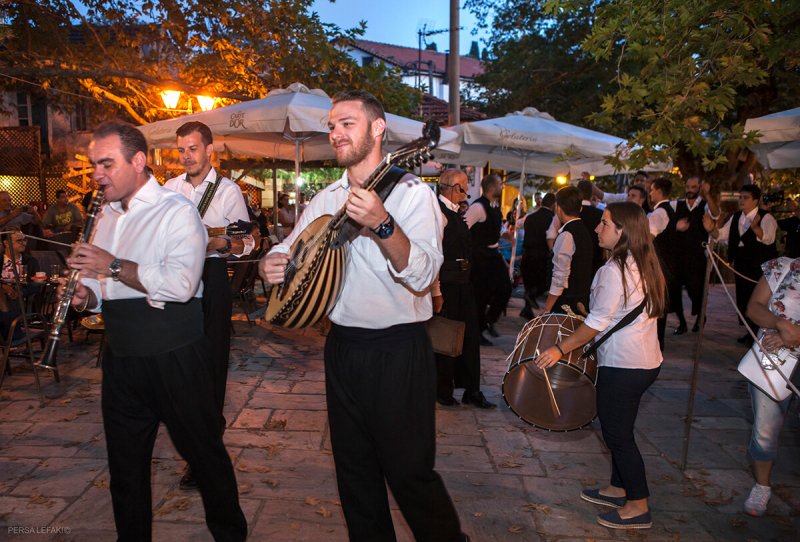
<point>627,319</point>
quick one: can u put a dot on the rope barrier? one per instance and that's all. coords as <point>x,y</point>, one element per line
<point>726,264</point>
<point>775,364</point>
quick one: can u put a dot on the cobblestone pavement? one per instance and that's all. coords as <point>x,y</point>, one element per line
<point>509,480</point>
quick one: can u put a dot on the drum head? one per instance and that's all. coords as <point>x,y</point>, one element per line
<point>526,392</point>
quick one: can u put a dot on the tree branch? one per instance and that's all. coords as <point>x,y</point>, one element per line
<point>96,89</point>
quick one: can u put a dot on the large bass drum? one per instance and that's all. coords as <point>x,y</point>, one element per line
<point>572,379</point>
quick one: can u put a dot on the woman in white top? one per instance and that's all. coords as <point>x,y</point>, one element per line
<point>629,361</point>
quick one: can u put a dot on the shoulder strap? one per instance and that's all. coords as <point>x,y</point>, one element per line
<point>384,187</point>
<point>627,319</point>
<point>208,195</point>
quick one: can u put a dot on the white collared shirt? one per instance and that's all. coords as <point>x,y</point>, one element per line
<point>563,251</point>
<point>161,232</point>
<point>375,295</point>
<point>658,220</point>
<point>635,346</point>
<point>768,224</point>
<point>227,206</point>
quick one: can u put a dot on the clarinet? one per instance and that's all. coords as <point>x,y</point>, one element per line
<point>48,359</point>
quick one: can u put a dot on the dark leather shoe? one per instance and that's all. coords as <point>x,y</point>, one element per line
<point>447,401</point>
<point>680,330</point>
<point>476,399</point>
<point>483,341</point>
<point>695,327</point>
<point>526,313</point>
<point>492,331</point>
<point>188,482</point>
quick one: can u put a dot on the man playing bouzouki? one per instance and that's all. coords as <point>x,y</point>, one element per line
<point>379,366</point>
<point>220,203</point>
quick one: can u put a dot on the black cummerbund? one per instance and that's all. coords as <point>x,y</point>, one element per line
<point>135,329</point>
<point>455,272</point>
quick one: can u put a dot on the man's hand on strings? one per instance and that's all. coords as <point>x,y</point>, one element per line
<point>365,207</point>
<point>272,267</point>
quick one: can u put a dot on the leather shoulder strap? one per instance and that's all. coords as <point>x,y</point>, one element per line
<point>208,195</point>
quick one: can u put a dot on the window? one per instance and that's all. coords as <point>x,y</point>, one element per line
<point>367,61</point>
<point>79,123</point>
<point>24,112</point>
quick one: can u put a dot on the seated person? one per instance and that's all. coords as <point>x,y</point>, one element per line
<point>62,218</point>
<point>9,299</point>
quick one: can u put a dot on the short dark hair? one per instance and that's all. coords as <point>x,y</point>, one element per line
<point>59,192</point>
<point>548,200</point>
<point>664,185</point>
<point>196,126</point>
<point>641,173</point>
<point>585,188</point>
<point>372,105</point>
<point>639,188</point>
<point>489,180</point>
<point>752,189</point>
<point>569,200</point>
<point>132,139</point>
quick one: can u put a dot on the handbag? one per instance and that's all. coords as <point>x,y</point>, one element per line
<point>447,336</point>
<point>758,368</point>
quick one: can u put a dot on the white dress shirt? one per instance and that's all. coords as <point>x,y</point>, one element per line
<point>635,346</point>
<point>555,227</point>
<point>658,220</point>
<point>161,232</point>
<point>227,206</point>
<point>768,224</point>
<point>563,251</point>
<point>375,295</point>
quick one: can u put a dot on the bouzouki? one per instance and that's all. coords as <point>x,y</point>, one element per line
<point>315,273</point>
<point>234,230</point>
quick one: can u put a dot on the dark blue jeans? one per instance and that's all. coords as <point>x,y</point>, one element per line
<point>619,392</point>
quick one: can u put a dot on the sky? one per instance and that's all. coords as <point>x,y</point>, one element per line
<point>398,21</point>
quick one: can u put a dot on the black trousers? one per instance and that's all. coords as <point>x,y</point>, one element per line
<point>217,309</point>
<point>175,388</point>
<point>381,387</point>
<point>619,392</point>
<point>492,286</point>
<point>535,273</point>
<point>465,370</point>
<point>692,275</point>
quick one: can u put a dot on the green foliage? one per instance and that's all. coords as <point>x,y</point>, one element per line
<point>122,53</point>
<point>688,73</point>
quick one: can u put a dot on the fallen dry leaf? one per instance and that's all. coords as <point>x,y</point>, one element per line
<point>509,464</point>
<point>181,505</point>
<point>312,501</point>
<point>516,529</point>
<point>324,512</point>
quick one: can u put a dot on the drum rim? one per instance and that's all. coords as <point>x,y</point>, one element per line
<point>560,362</point>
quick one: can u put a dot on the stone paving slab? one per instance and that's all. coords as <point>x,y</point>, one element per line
<point>509,481</point>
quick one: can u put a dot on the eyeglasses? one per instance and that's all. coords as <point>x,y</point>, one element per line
<point>454,186</point>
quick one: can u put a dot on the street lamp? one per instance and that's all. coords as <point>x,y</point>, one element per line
<point>172,97</point>
<point>206,102</point>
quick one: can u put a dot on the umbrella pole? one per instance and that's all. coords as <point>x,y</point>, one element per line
<point>516,222</point>
<point>296,178</point>
<point>275,203</point>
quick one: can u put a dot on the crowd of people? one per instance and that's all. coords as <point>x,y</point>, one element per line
<point>156,270</point>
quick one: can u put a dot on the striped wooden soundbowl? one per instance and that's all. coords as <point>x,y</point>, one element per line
<point>317,278</point>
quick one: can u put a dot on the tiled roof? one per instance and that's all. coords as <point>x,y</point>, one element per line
<point>439,110</point>
<point>408,56</point>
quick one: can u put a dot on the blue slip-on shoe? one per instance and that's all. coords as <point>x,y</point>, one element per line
<point>613,521</point>
<point>594,496</point>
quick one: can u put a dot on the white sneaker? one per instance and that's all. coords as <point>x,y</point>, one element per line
<point>756,503</point>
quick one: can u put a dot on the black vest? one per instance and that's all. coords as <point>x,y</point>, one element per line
<point>753,253</point>
<point>690,242</point>
<point>534,243</point>
<point>579,282</point>
<point>456,248</point>
<point>591,216</point>
<point>487,233</point>
<point>666,240</point>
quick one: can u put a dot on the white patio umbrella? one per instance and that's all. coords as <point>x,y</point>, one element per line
<point>288,124</point>
<point>530,141</point>
<point>779,144</point>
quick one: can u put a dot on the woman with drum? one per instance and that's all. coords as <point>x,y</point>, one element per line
<point>629,361</point>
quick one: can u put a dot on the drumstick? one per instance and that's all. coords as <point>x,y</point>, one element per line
<point>553,402</point>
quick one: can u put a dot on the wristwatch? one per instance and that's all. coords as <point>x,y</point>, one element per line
<point>116,268</point>
<point>227,248</point>
<point>386,228</point>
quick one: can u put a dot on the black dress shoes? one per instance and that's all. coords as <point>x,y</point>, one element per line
<point>483,341</point>
<point>680,330</point>
<point>188,482</point>
<point>476,399</point>
<point>492,331</point>
<point>447,401</point>
<point>526,313</point>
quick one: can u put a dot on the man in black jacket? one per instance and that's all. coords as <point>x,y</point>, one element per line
<point>536,255</point>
